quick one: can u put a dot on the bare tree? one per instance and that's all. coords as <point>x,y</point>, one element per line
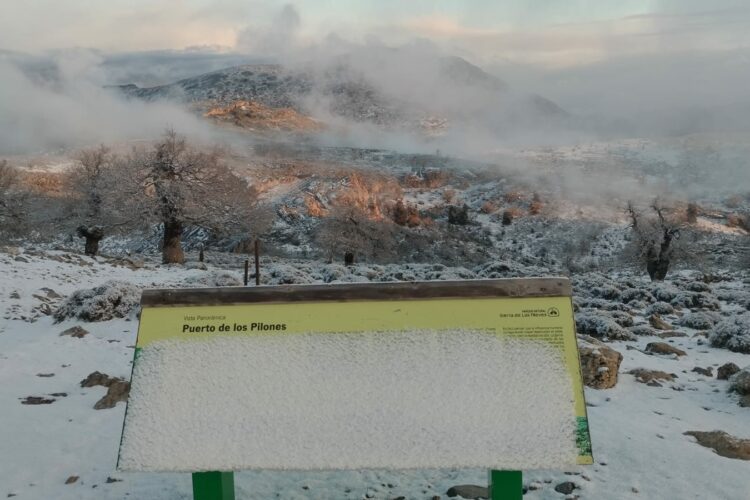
<point>178,185</point>
<point>655,239</point>
<point>12,201</point>
<point>348,232</point>
<point>96,206</point>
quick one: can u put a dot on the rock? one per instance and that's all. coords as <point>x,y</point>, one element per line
<point>75,331</point>
<point>723,444</point>
<point>664,348</point>
<point>726,370</point>
<point>45,375</point>
<point>745,401</point>
<point>113,299</point>
<point>20,258</point>
<point>13,251</point>
<point>50,293</point>
<point>71,480</point>
<point>37,400</point>
<point>740,382</point>
<point>645,376</point>
<point>566,488</point>
<point>671,334</point>
<point>658,323</point>
<point>599,364</point>
<point>119,390</point>
<point>468,491</point>
<point>708,372</point>
<point>98,378</point>
<point>111,480</point>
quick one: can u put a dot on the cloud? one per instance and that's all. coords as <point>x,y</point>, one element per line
<point>274,39</point>
<point>66,106</point>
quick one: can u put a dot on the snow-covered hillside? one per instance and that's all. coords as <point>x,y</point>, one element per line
<point>66,449</point>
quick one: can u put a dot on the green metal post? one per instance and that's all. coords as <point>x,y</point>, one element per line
<point>506,485</point>
<point>213,486</point>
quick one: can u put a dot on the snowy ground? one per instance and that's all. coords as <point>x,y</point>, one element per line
<point>637,430</point>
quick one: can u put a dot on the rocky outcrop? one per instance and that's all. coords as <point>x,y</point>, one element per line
<point>599,363</point>
<point>726,370</point>
<point>664,348</point>
<point>723,444</point>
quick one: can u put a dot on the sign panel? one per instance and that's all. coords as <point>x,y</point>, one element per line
<point>421,375</point>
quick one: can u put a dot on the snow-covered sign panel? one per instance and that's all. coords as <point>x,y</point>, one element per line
<point>318,377</point>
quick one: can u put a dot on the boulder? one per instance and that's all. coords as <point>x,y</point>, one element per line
<point>119,390</point>
<point>646,376</point>
<point>726,370</point>
<point>707,372</point>
<point>740,382</point>
<point>664,348</point>
<point>75,331</point>
<point>723,444</point>
<point>599,363</point>
<point>658,323</point>
<point>566,488</point>
<point>468,491</point>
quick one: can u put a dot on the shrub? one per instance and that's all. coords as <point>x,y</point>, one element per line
<point>733,334</point>
<point>113,299</point>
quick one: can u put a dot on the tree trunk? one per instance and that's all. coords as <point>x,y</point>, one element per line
<point>93,236</point>
<point>171,250</point>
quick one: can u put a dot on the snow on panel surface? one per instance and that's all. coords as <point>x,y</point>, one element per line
<point>397,400</point>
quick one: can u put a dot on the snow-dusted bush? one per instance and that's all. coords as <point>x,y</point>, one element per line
<point>607,292</point>
<point>665,293</point>
<point>601,304</point>
<point>740,381</point>
<point>696,300</point>
<point>336,273</point>
<point>622,318</point>
<point>699,320</point>
<point>284,274</point>
<point>214,279</point>
<point>697,286</point>
<point>507,270</point>
<point>660,308</point>
<point>731,296</point>
<point>643,331</point>
<point>732,333</point>
<point>113,299</point>
<point>636,295</point>
<point>599,325</point>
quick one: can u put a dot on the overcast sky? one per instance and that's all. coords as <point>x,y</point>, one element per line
<point>544,33</point>
<point>669,63</point>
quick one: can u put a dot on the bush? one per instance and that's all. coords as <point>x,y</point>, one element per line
<point>215,279</point>
<point>600,326</point>
<point>113,299</point>
<point>733,334</point>
<point>660,308</point>
<point>699,320</point>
